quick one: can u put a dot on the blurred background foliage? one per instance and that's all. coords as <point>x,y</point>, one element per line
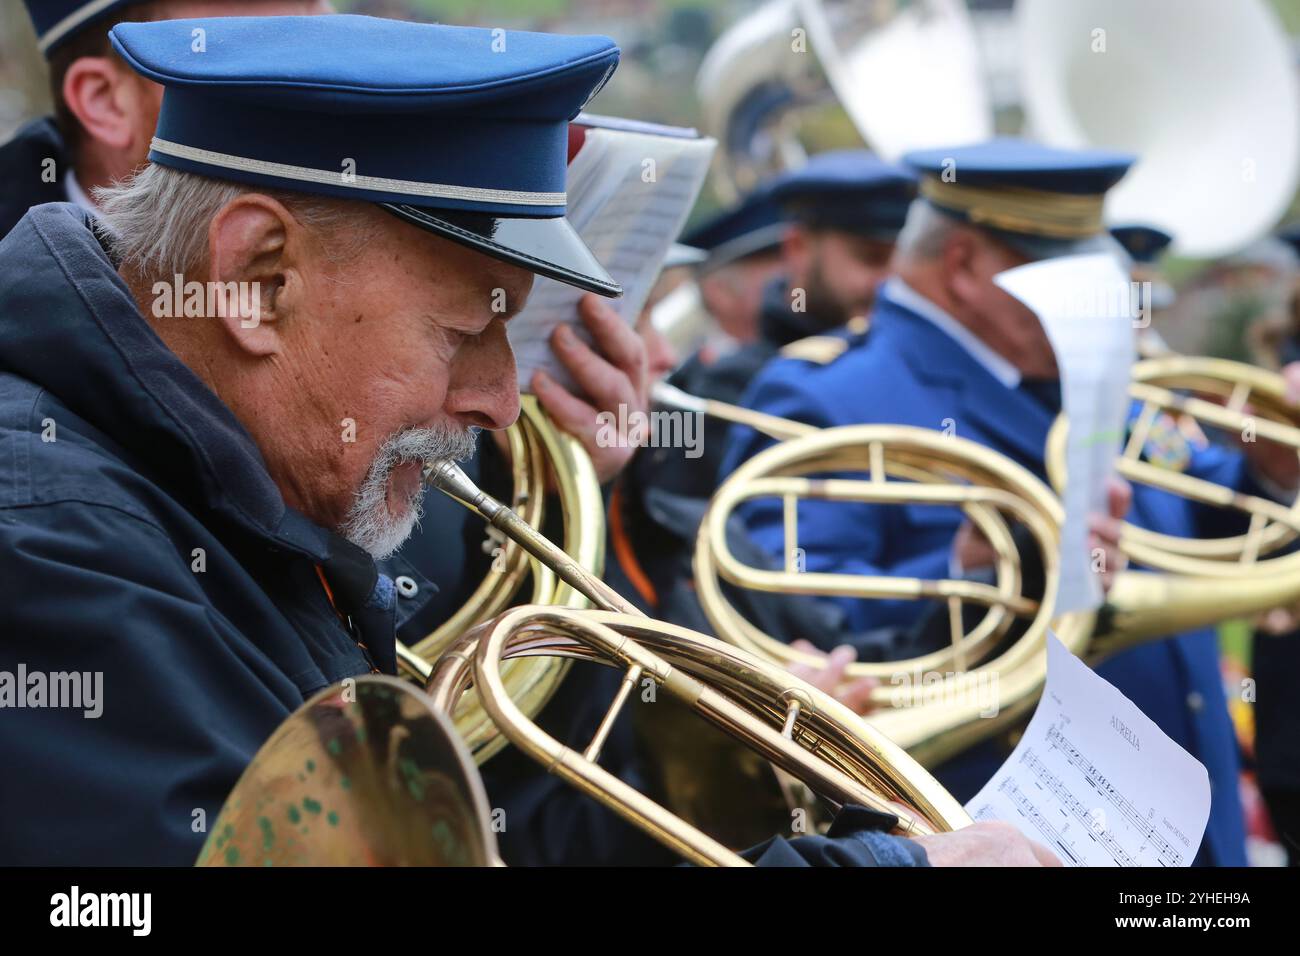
<point>663,42</point>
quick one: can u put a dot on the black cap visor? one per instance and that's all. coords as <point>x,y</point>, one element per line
<point>547,246</point>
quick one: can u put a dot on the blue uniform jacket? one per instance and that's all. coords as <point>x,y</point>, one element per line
<point>142,539</point>
<point>908,371</point>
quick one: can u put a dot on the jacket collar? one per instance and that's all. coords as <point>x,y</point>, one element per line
<point>33,167</point>
<point>1012,414</point>
<point>72,327</point>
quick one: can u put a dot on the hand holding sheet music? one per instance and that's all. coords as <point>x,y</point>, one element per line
<point>631,187</point>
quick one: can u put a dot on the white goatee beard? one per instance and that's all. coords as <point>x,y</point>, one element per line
<point>369,523</point>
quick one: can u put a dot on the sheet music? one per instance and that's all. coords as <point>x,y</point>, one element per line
<point>1097,781</point>
<point>1086,305</point>
<point>627,221</point>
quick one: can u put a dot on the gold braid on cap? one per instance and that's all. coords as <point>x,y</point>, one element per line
<point>1037,212</point>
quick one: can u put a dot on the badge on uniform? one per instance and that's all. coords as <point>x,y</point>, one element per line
<point>1166,446</point>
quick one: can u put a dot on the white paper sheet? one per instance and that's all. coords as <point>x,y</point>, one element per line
<point>1097,781</point>
<point>627,221</point>
<point>1086,305</point>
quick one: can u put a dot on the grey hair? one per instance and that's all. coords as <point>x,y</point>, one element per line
<point>925,232</point>
<point>156,221</point>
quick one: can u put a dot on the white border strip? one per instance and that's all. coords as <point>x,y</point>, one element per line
<point>329,177</point>
<point>73,20</point>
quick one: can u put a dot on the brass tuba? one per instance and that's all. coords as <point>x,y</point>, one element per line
<point>789,55</point>
<point>1219,150</point>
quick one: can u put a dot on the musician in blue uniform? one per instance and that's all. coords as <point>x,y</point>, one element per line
<point>843,211</point>
<point>194,503</point>
<point>949,350</point>
<point>740,253</point>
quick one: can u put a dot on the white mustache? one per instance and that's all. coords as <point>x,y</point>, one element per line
<point>369,523</point>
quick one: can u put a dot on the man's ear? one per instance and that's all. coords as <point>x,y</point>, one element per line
<point>959,255</point>
<point>250,256</point>
<point>105,102</point>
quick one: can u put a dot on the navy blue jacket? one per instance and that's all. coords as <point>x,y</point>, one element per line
<point>119,470</point>
<point>25,171</point>
<point>908,371</point>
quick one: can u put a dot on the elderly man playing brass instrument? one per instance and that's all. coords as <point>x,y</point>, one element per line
<point>217,404</point>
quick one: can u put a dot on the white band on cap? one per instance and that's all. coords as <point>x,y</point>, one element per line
<point>73,20</point>
<point>334,177</point>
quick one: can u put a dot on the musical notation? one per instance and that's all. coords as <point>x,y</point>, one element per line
<point>1095,780</point>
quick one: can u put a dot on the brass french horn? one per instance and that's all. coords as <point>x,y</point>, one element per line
<point>1202,580</point>
<point>985,679</point>
<point>800,729</point>
<point>536,449</point>
<point>1199,582</point>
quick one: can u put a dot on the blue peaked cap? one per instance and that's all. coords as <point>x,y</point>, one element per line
<point>57,21</point>
<point>1041,200</point>
<point>851,190</point>
<point>1143,243</point>
<point>1010,162</point>
<point>461,131</point>
<point>753,225</point>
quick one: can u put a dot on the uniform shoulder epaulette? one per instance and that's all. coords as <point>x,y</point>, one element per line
<point>818,349</point>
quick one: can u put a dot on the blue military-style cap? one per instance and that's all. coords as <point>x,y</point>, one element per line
<point>680,254</point>
<point>1143,243</point>
<point>1041,200</point>
<point>850,190</point>
<point>57,21</point>
<point>753,225</point>
<point>460,131</point>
